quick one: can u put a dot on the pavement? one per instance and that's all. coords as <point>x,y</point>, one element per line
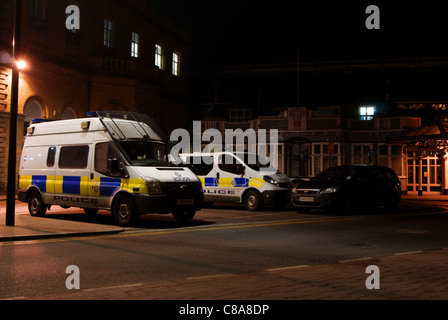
<point>28,228</point>
<point>418,275</point>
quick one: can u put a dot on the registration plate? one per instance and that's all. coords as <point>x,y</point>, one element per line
<point>306,199</point>
<point>183,202</point>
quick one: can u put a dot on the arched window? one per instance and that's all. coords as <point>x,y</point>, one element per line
<point>68,113</point>
<point>32,110</point>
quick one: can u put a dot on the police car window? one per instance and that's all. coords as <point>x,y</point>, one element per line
<point>74,157</point>
<point>51,158</point>
<point>198,166</point>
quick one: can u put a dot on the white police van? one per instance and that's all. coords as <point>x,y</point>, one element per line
<point>116,161</point>
<point>240,178</point>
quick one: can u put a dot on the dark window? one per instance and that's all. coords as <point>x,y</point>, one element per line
<point>229,164</point>
<point>51,157</point>
<point>74,157</point>
<point>103,152</point>
<point>201,169</point>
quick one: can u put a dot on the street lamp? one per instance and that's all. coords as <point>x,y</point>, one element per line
<point>12,157</point>
<point>21,64</point>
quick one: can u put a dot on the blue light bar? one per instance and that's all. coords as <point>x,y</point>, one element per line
<point>37,121</point>
<point>92,114</point>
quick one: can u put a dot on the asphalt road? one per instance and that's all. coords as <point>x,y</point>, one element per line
<point>221,240</point>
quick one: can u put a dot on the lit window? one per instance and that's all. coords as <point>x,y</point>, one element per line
<point>176,62</point>
<point>367,113</point>
<point>158,56</point>
<point>135,45</point>
<point>107,33</point>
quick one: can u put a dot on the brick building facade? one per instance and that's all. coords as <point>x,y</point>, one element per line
<point>124,56</point>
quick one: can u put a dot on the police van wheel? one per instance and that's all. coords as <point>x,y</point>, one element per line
<point>124,211</point>
<point>184,215</point>
<point>36,205</point>
<point>253,201</point>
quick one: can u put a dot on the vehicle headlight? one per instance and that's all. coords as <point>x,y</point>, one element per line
<point>270,180</point>
<point>330,190</point>
<point>294,190</point>
<point>154,186</point>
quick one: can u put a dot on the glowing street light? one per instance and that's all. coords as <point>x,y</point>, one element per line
<point>21,64</point>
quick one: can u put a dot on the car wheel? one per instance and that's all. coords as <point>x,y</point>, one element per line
<point>124,211</point>
<point>36,205</point>
<point>253,201</point>
<point>184,215</point>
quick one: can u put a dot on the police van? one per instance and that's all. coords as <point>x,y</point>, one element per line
<point>239,177</point>
<point>117,161</point>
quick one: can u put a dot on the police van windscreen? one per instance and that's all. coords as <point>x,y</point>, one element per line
<point>145,153</point>
<point>254,161</point>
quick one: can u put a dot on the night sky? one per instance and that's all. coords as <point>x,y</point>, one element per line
<point>227,32</point>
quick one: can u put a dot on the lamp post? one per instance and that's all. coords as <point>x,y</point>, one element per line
<point>12,157</point>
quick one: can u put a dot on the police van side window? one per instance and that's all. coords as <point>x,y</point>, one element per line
<point>229,164</point>
<point>74,157</point>
<point>51,158</point>
<point>201,169</point>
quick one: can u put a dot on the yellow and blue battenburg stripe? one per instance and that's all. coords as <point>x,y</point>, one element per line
<point>232,182</point>
<point>76,185</point>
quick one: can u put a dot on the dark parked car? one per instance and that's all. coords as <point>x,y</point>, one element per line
<point>346,187</point>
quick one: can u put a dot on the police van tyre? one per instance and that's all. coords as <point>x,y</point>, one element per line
<point>184,216</point>
<point>253,200</point>
<point>124,211</point>
<point>36,205</point>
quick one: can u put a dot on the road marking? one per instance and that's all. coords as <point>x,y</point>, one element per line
<point>115,287</point>
<point>211,276</point>
<point>406,253</point>
<point>146,232</point>
<point>234,226</point>
<point>355,260</point>
<point>288,268</point>
<point>411,231</point>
